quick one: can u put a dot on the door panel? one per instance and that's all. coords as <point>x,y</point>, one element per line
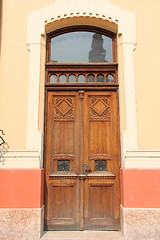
<point>100,138</point>
<point>82,161</point>
<point>100,208</point>
<point>63,204</point>
<point>62,161</point>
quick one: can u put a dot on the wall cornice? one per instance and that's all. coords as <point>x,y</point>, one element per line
<point>143,159</point>
<point>20,158</point>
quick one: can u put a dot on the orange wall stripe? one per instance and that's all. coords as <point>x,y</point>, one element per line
<point>21,188</point>
<point>140,188</point>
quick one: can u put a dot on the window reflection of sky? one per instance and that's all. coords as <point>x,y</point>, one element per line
<point>75,47</point>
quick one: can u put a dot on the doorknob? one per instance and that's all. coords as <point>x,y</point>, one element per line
<point>86,169</point>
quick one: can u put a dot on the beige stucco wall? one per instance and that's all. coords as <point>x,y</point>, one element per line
<point>15,64</point>
<point>147,58</point>
<point>14,68</point>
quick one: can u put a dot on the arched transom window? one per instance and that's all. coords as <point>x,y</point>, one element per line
<point>84,48</point>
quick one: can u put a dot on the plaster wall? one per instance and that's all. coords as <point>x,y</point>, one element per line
<point>20,62</point>
<point>15,64</point>
<point>146,59</point>
<point>14,67</point>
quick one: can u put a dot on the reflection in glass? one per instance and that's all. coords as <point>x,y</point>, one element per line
<point>72,78</point>
<point>97,52</point>
<point>100,78</point>
<point>81,78</point>
<point>62,78</point>
<point>110,78</point>
<point>90,78</point>
<point>53,78</point>
<point>81,46</point>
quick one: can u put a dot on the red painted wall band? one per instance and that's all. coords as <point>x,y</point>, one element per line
<point>21,188</point>
<point>140,188</point>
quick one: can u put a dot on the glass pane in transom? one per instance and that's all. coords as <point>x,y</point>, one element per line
<point>81,46</point>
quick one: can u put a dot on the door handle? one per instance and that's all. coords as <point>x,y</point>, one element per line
<point>86,169</point>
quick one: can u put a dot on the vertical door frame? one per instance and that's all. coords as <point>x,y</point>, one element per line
<point>99,68</point>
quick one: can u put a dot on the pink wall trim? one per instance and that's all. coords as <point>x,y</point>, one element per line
<point>140,188</point>
<point>21,188</point>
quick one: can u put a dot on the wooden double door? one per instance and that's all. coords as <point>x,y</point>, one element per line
<point>82,160</point>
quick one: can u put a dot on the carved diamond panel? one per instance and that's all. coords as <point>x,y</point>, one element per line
<point>63,108</point>
<point>99,108</point>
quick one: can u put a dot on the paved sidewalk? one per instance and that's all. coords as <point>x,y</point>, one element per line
<point>82,235</point>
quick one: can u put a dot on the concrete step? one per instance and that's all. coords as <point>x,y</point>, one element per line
<point>82,235</point>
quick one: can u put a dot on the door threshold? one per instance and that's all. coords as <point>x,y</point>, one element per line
<point>82,235</point>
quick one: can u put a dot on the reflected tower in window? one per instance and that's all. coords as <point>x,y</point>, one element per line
<point>81,47</point>
<point>97,52</point>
